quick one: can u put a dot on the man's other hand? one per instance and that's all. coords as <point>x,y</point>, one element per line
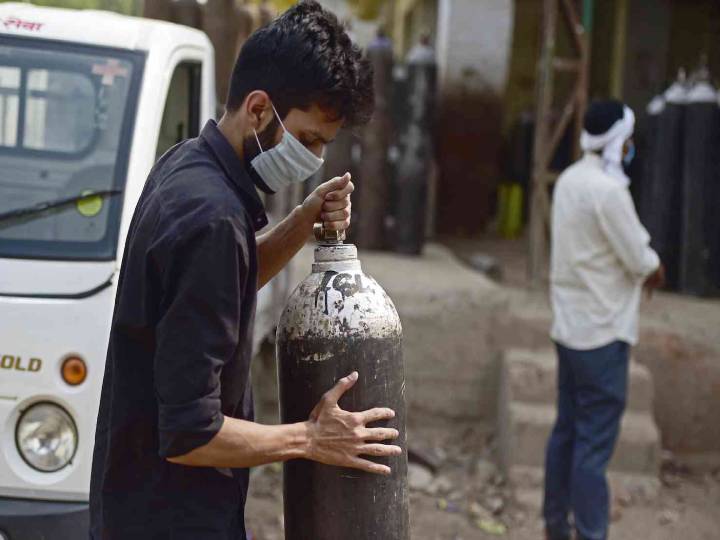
<point>338,437</point>
<point>330,203</point>
<point>656,280</point>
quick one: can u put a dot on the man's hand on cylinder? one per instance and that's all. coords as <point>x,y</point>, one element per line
<point>338,437</point>
<point>330,203</point>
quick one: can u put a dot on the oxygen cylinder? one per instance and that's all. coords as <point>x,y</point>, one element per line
<point>647,153</point>
<point>701,165</point>
<point>666,192</point>
<point>339,320</point>
<point>412,176</point>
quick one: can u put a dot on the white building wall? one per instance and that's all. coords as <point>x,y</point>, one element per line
<point>473,43</point>
<point>362,31</point>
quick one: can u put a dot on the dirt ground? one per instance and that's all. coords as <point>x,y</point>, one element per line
<point>468,498</point>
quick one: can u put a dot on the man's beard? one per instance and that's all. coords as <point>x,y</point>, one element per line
<point>251,151</point>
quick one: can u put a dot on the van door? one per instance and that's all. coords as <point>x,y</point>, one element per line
<point>181,115</point>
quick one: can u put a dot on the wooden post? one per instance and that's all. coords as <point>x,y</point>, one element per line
<point>548,134</point>
<point>539,195</point>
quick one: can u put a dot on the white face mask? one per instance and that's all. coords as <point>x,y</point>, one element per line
<point>287,163</point>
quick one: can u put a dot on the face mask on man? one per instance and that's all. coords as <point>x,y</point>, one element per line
<point>287,163</point>
<point>629,153</point>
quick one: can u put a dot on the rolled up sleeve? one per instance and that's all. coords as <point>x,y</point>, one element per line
<point>197,334</point>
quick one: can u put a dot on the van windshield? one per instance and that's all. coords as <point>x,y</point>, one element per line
<point>66,117</point>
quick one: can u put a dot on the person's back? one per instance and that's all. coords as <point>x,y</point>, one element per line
<point>187,202</point>
<point>600,259</point>
<point>590,209</point>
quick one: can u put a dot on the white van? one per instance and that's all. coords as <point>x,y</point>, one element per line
<point>88,101</point>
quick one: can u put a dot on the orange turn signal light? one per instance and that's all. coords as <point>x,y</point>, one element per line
<point>74,370</point>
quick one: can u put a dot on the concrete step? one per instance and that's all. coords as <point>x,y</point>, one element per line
<point>524,429</point>
<point>530,376</point>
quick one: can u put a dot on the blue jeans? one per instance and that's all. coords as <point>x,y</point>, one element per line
<point>592,387</point>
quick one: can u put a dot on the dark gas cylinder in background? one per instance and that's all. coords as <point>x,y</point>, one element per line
<point>701,196</point>
<point>340,320</point>
<point>647,143</point>
<point>664,214</point>
<point>416,154</point>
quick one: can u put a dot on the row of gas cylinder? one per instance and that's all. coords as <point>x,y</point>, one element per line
<point>392,159</point>
<point>676,182</point>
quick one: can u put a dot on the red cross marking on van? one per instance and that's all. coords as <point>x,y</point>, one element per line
<point>109,71</point>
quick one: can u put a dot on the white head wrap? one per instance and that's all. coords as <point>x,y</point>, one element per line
<point>611,143</point>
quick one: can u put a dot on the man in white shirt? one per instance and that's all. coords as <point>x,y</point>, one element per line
<point>601,258</point>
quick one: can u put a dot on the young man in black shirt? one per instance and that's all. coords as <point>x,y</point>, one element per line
<point>175,435</point>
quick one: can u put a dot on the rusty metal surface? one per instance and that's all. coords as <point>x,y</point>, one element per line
<point>337,321</point>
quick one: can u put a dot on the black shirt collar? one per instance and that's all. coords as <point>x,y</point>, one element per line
<point>235,170</point>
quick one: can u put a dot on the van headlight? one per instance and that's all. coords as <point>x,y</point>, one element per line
<point>46,437</point>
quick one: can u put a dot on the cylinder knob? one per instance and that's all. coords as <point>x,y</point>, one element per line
<point>328,236</point>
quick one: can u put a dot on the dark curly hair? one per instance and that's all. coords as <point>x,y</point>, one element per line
<point>305,57</point>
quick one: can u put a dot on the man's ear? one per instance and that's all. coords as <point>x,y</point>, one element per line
<point>258,109</point>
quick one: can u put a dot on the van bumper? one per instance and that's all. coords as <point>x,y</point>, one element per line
<point>22,519</point>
